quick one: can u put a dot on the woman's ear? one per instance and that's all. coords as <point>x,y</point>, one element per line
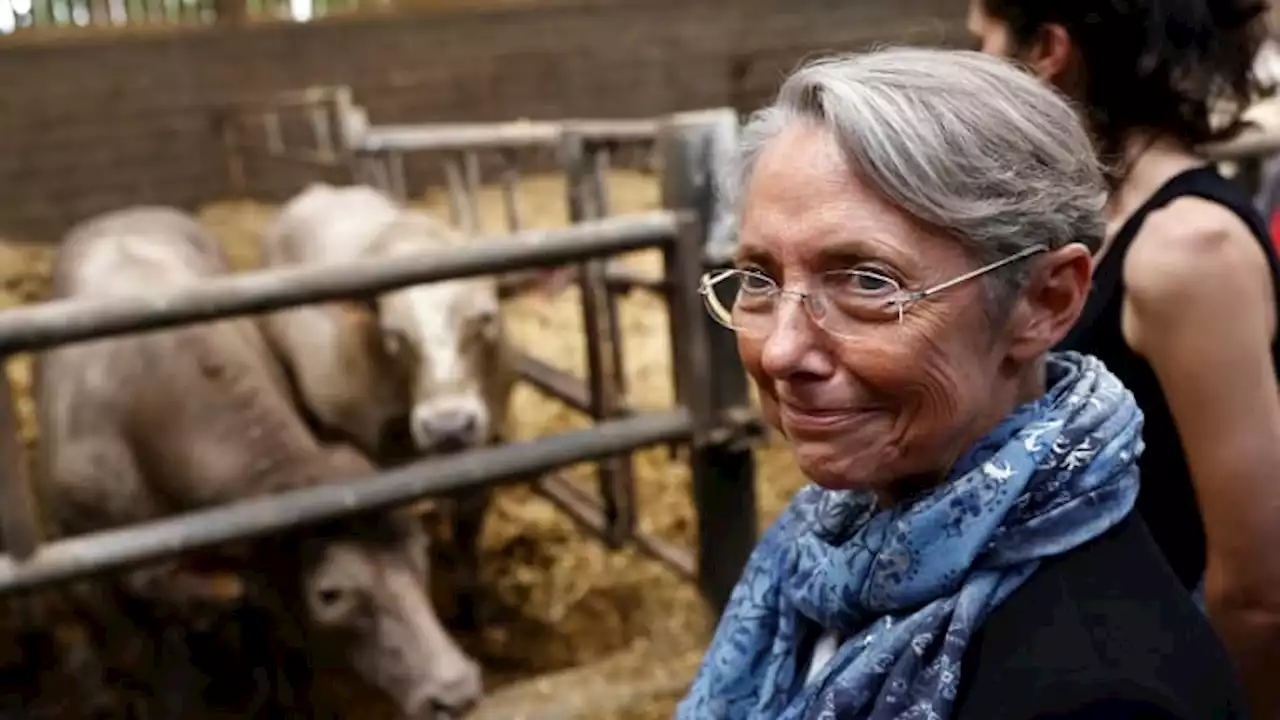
<point>1052,301</point>
<point>1051,56</point>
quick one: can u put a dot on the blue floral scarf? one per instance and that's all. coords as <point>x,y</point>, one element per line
<point>906,587</point>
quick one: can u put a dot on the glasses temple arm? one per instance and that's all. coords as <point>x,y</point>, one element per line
<point>921,294</point>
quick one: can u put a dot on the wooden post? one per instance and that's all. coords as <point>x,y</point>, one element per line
<point>694,148</point>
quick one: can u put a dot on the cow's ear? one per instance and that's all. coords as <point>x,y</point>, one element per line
<point>553,281</point>
<point>363,305</point>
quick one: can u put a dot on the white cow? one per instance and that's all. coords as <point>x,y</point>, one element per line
<point>431,355</point>
<point>429,363</point>
<point>146,425</point>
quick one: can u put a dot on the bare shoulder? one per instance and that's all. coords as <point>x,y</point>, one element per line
<point>1195,258</point>
<point>1187,243</point>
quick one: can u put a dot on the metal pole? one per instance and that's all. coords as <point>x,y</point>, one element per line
<point>600,323</point>
<point>35,327</point>
<point>563,386</point>
<point>100,552</point>
<point>723,465</point>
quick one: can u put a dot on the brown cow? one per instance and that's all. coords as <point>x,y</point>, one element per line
<point>146,425</point>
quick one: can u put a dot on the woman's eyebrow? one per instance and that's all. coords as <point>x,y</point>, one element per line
<point>752,255</point>
<point>854,250</point>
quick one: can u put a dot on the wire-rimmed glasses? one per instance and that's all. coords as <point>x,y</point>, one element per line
<point>842,302</point>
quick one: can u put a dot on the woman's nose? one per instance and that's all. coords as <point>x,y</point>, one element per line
<point>795,344</point>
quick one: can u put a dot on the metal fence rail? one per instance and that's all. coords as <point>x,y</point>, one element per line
<point>35,327</point>
<point>58,322</point>
<point>101,552</point>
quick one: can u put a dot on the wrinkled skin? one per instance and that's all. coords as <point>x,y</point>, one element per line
<point>890,409</point>
<point>421,370</point>
<point>143,426</point>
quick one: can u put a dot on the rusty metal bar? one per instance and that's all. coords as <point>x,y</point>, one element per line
<point>711,378</point>
<point>616,130</point>
<point>600,181</point>
<point>619,280</point>
<point>585,511</point>
<point>457,192</point>
<point>35,327</point>
<point>598,184</point>
<point>396,178</point>
<point>434,137</point>
<point>428,137</point>
<point>100,552</point>
<point>690,362</point>
<point>554,382</point>
<point>616,477</point>
<point>471,177</point>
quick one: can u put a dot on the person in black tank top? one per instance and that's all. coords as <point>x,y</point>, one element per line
<point>1169,509</point>
<point>1184,302</point>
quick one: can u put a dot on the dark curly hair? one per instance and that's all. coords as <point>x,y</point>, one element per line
<point>1159,65</point>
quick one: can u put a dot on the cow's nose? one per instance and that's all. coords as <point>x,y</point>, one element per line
<point>459,690</point>
<point>452,694</point>
<point>446,429</point>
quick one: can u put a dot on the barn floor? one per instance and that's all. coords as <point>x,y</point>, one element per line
<point>573,630</point>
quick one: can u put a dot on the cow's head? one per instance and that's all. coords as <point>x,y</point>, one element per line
<point>365,592</point>
<point>446,341</point>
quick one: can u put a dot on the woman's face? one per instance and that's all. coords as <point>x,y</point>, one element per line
<point>898,400</point>
<point>1050,57</point>
<point>991,35</point>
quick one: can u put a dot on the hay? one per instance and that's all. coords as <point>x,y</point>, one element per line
<point>565,601</point>
<point>24,278</point>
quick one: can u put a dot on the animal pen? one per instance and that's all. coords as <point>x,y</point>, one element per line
<point>713,415</point>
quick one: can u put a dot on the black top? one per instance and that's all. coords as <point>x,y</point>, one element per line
<point>1168,504</point>
<point>1104,632</point>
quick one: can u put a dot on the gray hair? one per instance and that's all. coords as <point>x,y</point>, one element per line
<point>961,141</point>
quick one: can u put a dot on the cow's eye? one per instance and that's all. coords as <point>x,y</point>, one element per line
<point>395,342</point>
<point>488,326</point>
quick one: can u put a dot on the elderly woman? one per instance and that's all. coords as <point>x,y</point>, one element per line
<point>916,231</point>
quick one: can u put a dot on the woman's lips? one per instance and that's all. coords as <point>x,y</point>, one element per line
<point>819,420</point>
